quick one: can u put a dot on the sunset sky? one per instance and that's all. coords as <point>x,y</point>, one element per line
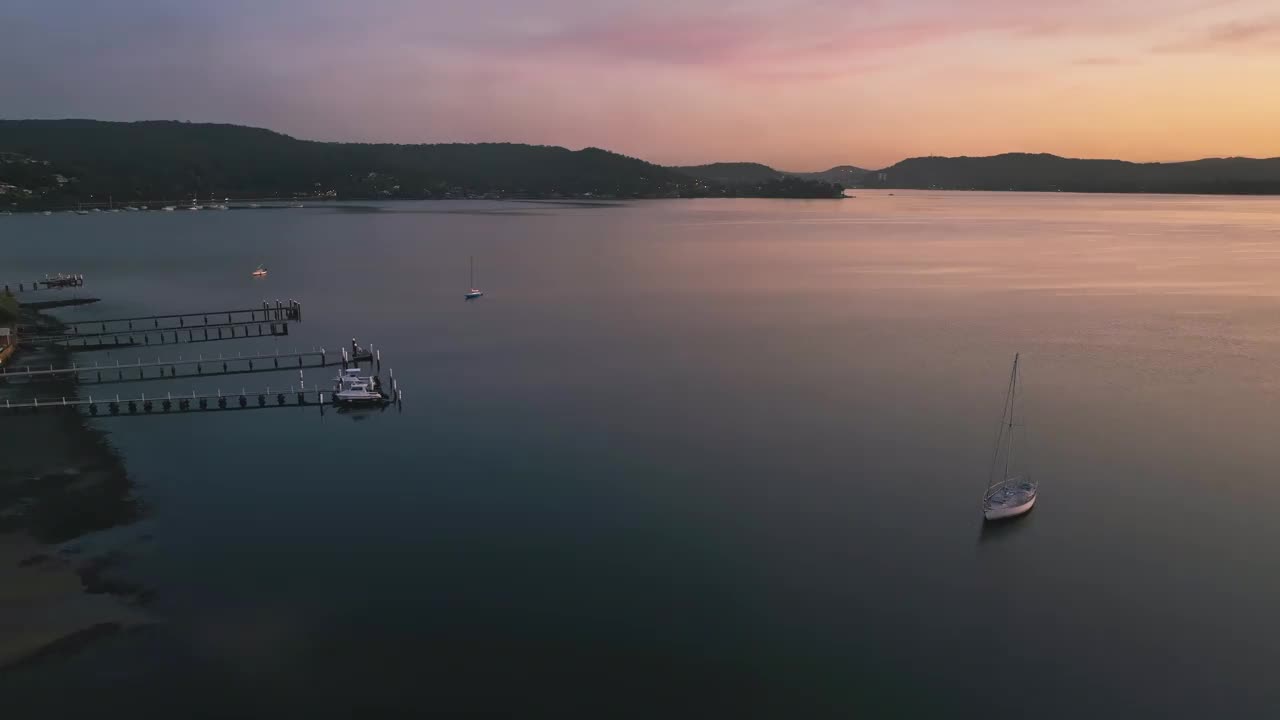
<point>798,84</point>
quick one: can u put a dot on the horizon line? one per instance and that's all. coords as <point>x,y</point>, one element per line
<point>689,165</point>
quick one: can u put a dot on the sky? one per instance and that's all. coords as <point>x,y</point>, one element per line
<point>796,84</point>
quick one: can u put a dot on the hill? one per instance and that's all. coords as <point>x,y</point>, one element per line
<point>747,172</point>
<point>846,175</point>
<point>1043,172</point>
<point>731,172</point>
<point>62,162</point>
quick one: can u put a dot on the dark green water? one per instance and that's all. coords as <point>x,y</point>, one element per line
<point>723,457</point>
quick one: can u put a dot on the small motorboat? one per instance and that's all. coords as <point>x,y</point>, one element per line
<point>169,208</point>
<point>351,389</point>
<point>260,272</point>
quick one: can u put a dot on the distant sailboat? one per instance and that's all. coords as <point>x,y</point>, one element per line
<point>260,272</point>
<point>473,293</point>
<point>1008,495</point>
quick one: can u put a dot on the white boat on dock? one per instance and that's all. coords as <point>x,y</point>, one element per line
<point>1009,494</point>
<point>353,389</point>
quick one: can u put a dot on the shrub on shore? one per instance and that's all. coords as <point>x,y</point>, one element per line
<point>8,309</point>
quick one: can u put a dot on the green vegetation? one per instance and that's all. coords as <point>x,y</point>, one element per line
<point>846,175</point>
<point>731,173</point>
<point>8,309</point>
<point>1048,173</point>
<point>65,162</point>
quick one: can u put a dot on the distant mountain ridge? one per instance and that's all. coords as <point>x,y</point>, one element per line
<point>730,172</point>
<point>747,172</point>
<point>58,163</point>
<point>846,175</point>
<point>1048,173</point>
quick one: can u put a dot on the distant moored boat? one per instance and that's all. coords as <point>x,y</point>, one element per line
<point>473,293</point>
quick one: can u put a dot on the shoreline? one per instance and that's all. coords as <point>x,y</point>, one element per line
<point>61,481</point>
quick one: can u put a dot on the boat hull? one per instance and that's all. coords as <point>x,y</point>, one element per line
<point>1010,505</point>
<point>355,400</point>
<point>473,295</point>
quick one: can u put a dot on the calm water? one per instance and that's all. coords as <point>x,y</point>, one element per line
<point>719,456</point>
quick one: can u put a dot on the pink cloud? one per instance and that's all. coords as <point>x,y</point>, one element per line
<point>1256,34</point>
<point>690,40</point>
<point>1104,61</point>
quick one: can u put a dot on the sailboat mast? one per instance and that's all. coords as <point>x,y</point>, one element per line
<point>1013,397</point>
<point>473,270</point>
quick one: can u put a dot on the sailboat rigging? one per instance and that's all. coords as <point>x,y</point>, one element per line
<point>1008,494</point>
<point>473,293</point>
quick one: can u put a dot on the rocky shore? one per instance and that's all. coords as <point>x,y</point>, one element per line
<point>60,482</point>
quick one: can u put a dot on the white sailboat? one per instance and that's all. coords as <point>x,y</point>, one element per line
<point>473,293</point>
<point>1009,494</point>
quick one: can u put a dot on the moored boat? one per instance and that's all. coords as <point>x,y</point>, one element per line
<point>351,388</point>
<point>1008,494</point>
<point>473,293</point>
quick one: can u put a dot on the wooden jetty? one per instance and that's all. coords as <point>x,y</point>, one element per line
<point>48,283</point>
<point>216,401</point>
<point>268,312</point>
<point>65,302</point>
<point>200,366</point>
<point>210,333</point>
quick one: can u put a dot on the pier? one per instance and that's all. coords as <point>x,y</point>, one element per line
<point>268,312</point>
<point>200,366</point>
<point>48,283</point>
<point>212,402</point>
<point>195,334</point>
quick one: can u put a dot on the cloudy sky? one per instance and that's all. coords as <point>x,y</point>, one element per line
<point>798,84</point>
